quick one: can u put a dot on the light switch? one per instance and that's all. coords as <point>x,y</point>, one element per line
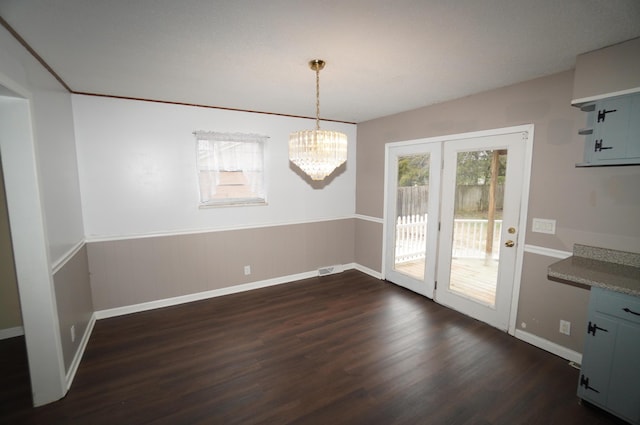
<point>541,225</point>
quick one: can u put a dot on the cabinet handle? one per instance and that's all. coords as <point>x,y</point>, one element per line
<point>628,310</point>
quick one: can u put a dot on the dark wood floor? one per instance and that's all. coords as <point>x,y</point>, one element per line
<point>341,349</point>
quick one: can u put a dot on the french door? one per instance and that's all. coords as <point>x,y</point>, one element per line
<point>412,197</point>
<point>477,263</point>
<point>455,236</point>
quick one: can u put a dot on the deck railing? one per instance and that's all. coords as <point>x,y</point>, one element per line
<point>469,238</point>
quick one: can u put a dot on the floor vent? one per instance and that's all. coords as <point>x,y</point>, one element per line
<point>324,271</point>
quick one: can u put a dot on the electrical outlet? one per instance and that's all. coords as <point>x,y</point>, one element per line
<point>73,333</point>
<point>565,327</point>
<point>247,270</point>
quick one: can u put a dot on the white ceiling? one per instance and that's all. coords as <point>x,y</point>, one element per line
<point>383,56</point>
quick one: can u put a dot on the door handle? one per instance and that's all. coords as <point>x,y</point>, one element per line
<point>509,243</point>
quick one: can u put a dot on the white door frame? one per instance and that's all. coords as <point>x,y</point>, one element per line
<point>434,149</point>
<point>524,204</point>
<point>30,245</point>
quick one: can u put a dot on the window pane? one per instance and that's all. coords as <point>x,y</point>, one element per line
<point>231,171</point>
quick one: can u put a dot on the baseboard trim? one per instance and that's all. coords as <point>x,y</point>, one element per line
<point>365,270</point>
<point>71,373</point>
<point>549,346</point>
<point>167,302</point>
<point>11,332</point>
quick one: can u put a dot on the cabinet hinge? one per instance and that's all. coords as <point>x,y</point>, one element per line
<point>602,114</point>
<point>598,147</point>
<point>584,382</point>
<point>591,329</point>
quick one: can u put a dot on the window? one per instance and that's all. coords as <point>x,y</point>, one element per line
<point>230,168</point>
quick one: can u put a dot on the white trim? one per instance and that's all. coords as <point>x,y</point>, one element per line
<point>167,302</point>
<point>364,269</point>
<point>31,256</point>
<point>73,368</point>
<point>549,346</point>
<point>583,100</point>
<point>548,252</point>
<point>108,238</point>
<point>460,136</point>
<point>369,218</point>
<point>11,332</point>
<point>524,209</point>
<point>55,268</point>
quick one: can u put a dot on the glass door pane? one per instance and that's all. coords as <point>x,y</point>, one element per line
<point>412,192</point>
<point>412,205</point>
<point>477,224</point>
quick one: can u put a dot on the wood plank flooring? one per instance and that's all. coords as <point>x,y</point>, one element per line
<point>341,349</point>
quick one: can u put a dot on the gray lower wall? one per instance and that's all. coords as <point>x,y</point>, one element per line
<point>132,271</point>
<point>74,303</point>
<point>368,244</point>
<point>565,302</point>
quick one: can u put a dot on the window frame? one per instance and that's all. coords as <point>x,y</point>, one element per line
<point>216,141</point>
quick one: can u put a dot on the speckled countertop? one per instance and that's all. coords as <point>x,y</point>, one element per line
<point>605,268</point>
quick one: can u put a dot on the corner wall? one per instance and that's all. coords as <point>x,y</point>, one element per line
<point>43,199</point>
<point>597,206</point>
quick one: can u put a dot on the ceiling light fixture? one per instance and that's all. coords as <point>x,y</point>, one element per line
<point>317,152</point>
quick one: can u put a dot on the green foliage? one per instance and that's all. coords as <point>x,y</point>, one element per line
<point>413,170</point>
<point>475,168</point>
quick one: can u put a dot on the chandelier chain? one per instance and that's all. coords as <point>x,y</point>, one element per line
<point>318,99</point>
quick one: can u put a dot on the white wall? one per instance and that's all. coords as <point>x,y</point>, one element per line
<point>138,172</point>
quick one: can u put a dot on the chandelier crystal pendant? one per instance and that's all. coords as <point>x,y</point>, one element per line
<point>317,152</point>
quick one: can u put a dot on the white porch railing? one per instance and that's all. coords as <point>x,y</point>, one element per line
<point>469,238</point>
<point>411,238</point>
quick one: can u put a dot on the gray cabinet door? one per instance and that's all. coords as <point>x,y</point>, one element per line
<point>624,385</point>
<point>611,128</point>
<point>597,359</point>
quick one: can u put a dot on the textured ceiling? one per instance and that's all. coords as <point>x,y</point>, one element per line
<point>383,56</point>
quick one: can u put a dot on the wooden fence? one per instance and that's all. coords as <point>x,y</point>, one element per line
<point>413,200</point>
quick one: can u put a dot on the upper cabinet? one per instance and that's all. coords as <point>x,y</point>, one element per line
<point>612,135</point>
<point>607,87</point>
<point>611,71</point>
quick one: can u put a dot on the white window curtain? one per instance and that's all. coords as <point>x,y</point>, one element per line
<point>230,152</point>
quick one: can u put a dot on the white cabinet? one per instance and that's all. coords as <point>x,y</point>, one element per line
<point>610,372</point>
<point>612,135</point>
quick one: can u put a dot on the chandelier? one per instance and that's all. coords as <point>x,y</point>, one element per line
<point>317,152</point>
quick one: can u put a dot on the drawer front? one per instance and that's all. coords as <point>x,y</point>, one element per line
<point>615,304</point>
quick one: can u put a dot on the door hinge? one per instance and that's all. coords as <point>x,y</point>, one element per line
<point>602,114</point>
<point>435,285</point>
<point>438,226</point>
<point>584,382</point>
<point>591,329</point>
